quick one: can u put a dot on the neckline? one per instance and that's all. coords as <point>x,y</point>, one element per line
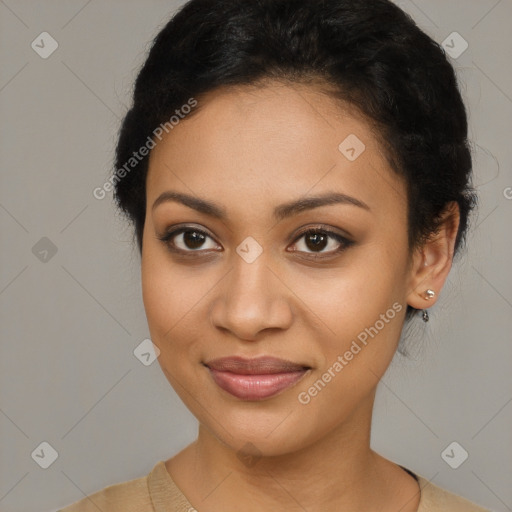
<point>407,471</point>
<point>166,496</point>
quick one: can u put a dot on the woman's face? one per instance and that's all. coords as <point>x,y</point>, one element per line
<point>254,284</point>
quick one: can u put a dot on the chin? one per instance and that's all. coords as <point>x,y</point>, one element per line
<point>265,433</point>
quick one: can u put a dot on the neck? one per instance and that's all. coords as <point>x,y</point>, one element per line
<point>338,471</point>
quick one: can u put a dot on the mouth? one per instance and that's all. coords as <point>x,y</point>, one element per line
<point>255,379</point>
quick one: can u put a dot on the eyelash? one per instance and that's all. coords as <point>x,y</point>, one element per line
<point>344,242</point>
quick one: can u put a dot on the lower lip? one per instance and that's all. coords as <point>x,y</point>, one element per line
<point>255,387</point>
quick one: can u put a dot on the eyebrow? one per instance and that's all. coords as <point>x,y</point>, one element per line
<point>280,212</point>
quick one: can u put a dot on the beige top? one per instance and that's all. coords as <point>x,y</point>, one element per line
<point>157,492</point>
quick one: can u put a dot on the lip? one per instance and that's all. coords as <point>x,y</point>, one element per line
<point>255,379</point>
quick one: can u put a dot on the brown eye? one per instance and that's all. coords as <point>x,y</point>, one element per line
<point>317,240</point>
<point>193,239</point>
<point>187,240</point>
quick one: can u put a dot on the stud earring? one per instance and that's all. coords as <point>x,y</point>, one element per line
<point>429,294</point>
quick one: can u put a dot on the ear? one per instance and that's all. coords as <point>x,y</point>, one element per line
<point>432,262</point>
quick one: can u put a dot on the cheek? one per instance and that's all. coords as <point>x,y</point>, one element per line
<point>156,293</point>
<point>353,295</point>
<point>165,295</point>
<point>358,310</point>
<point>174,296</point>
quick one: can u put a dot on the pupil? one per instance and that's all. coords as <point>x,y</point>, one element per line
<point>319,241</point>
<point>193,240</point>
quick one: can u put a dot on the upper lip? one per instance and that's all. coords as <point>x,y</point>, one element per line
<point>257,366</point>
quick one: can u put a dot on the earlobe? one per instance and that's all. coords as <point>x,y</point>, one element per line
<point>432,262</point>
<point>421,291</point>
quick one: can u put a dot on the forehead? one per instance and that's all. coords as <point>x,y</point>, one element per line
<point>273,142</point>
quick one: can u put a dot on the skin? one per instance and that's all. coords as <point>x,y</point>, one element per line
<point>248,150</point>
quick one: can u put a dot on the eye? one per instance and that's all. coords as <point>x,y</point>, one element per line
<point>317,239</point>
<point>187,239</point>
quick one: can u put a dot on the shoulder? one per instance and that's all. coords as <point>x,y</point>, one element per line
<point>434,499</point>
<point>129,496</point>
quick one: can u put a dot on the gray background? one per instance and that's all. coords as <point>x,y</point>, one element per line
<point>70,322</point>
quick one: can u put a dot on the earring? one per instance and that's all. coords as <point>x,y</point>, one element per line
<point>429,294</point>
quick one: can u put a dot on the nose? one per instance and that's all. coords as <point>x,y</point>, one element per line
<point>250,299</point>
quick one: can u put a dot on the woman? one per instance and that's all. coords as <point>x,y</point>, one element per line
<point>298,176</point>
